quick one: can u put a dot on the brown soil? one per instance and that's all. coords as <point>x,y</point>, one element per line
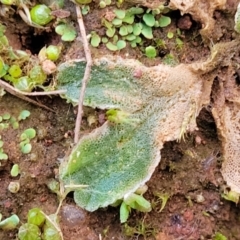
<point>189,172</point>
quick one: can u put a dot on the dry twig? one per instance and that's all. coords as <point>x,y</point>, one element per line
<point>23,95</point>
<point>86,73</point>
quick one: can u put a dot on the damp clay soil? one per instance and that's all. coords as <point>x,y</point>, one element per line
<point>188,176</point>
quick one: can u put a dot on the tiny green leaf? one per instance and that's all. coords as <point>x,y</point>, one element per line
<point>15,71</point>
<point>51,229</point>
<point>29,231</point>
<point>129,18</point>
<point>23,115</point>
<point>15,170</point>
<point>85,9</point>
<point>67,32</point>
<point>123,31</point>
<point>104,40</point>
<point>30,132</point>
<point>110,32</point>
<point>36,217</point>
<point>41,14</point>
<point>6,116</point>
<point>130,37</point>
<point>26,148</point>
<point>150,52</point>
<point>120,13</point>
<point>3,156</point>
<point>53,52</point>
<point>147,32</point>
<point>137,29</point>
<point>219,236</point>
<point>117,22</point>
<point>111,46</point>
<point>164,21</point>
<point>149,19</point>
<point>9,223</point>
<point>121,44</point>
<point>95,39</point>
<point>124,212</point>
<point>170,35</point>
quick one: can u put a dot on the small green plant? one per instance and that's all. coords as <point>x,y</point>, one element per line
<point>67,31</point>
<point>9,223</point>
<point>231,196</point>
<point>40,226</point>
<point>219,236</point>
<point>132,26</point>
<point>150,52</point>
<point>25,138</point>
<point>41,14</point>
<point>23,115</point>
<point>163,198</point>
<point>134,201</point>
<point>15,170</point>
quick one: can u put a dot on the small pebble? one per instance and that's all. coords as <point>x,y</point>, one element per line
<point>13,187</point>
<point>42,117</point>
<point>200,198</point>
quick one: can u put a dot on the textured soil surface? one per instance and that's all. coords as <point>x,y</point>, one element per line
<point>189,174</point>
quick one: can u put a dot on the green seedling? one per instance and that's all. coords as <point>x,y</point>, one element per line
<point>9,223</point>
<point>3,68</point>
<point>164,21</point>
<point>14,123</point>
<point>112,46</point>
<point>118,116</point>
<point>6,116</point>
<point>231,196</point>
<point>15,170</point>
<point>95,39</point>
<point>53,52</point>
<point>36,217</point>
<point>3,156</point>
<point>67,32</point>
<point>23,115</point>
<point>150,52</point>
<point>170,35</point>
<point>149,19</point>
<point>85,9</point>
<point>163,197</point>
<point>37,76</point>
<point>147,31</point>
<point>40,226</point>
<point>29,231</point>
<point>120,13</point>
<point>133,201</point>
<point>219,236</point>
<point>15,71</point>
<point>41,14</point>
<point>121,44</point>
<point>25,137</point>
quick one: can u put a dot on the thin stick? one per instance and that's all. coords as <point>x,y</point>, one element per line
<point>7,87</point>
<point>17,93</point>
<point>86,73</point>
